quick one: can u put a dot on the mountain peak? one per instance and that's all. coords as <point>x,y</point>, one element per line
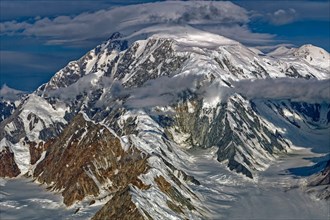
<point>281,51</point>
<point>116,35</point>
<point>311,49</point>
<point>311,54</point>
<point>314,55</point>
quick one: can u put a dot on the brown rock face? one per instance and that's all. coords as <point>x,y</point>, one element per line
<point>119,207</point>
<point>8,167</point>
<point>325,180</point>
<point>36,150</point>
<point>178,200</point>
<point>321,180</point>
<point>87,156</point>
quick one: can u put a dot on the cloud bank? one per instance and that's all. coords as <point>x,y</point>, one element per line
<point>166,91</point>
<point>162,91</point>
<point>10,94</point>
<point>224,18</point>
<point>311,91</point>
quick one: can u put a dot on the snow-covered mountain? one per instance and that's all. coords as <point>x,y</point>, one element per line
<point>313,55</point>
<point>117,127</point>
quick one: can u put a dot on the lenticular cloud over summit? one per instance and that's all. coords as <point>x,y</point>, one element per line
<point>217,17</point>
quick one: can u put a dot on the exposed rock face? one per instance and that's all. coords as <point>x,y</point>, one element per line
<point>10,99</point>
<point>6,109</point>
<point>178,201</point>
<point>86,64</point>
<point>119,207</point>
<point>323,178</point>
<point>8,167</point>
<point>229,126</point>
<point>157,51</point>
<point>15,134</point>
<point>87,159</point>
<point>37,149</point>
<point>319,184</point>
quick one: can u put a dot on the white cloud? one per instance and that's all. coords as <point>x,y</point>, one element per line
<point>283,16</point>
<point>242,34</point>
<point>311,91</point>
<point>224,18</point>
<point>296,10</point>
<point>161,91</point>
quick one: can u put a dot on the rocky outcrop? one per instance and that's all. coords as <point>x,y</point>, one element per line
<point>156,51</point>
<point>8,166</point>
<point>6,109</point>
<point>15,121</point>
<point>322,178</point>
<point>319,184</point>
<point>87,159</point>
<point>37,149</point>
<point>10,99</point>
<point>178,202</point>
<point>119,207</point>
<point>244,139</point>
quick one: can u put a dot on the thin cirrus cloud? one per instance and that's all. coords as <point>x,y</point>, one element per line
<point>223,18</point>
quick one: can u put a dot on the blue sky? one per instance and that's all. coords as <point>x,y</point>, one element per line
<point>39,37</point>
